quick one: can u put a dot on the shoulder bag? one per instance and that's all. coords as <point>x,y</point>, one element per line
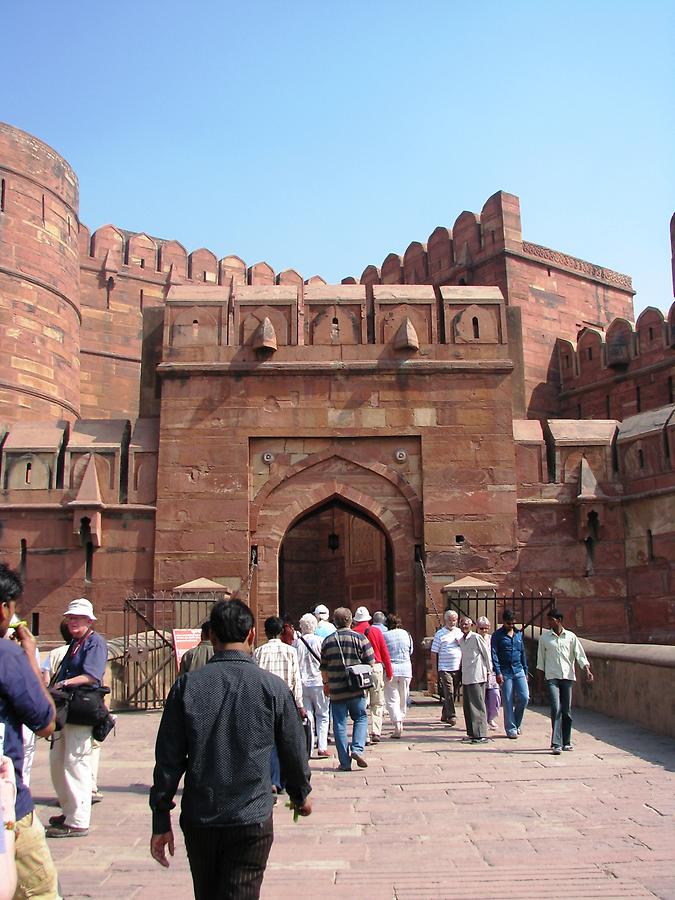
<point>359,678</point>
<point>81,705</point>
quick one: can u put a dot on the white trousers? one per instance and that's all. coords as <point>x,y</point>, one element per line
<point>396,697</point>
<point>317,706</point>
<point>70,766</point>
<point>376,698</point>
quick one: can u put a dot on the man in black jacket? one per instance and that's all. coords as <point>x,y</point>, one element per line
<point>219,726</point>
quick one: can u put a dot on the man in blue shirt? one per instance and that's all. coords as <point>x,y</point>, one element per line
<point>24,700</point>
<point>510,664</point>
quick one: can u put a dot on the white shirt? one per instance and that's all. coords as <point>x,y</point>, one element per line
<point>557,652</point>
<point>446,644</point>
<point>309,664</point>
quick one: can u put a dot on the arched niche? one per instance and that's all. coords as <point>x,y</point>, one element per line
<point>194,328</point>
<point>253,319</point>
<point>334,326</point>
<point>28,472</point>
<point>395,318</point>
<point>476,325</point>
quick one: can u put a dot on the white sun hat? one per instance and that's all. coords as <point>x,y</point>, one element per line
<point>362,614</point>
<point>81,607</point>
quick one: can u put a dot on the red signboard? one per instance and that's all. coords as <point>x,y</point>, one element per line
<point>185,639</point>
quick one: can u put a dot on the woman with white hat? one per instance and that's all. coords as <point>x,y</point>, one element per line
<point>70,758</point>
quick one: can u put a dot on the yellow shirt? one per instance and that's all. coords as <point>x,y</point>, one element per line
<point>557,652</point>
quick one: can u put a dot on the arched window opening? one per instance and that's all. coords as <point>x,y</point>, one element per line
<point>195,329</point>
<point>28,473</point>
<point>476,327</point>
<point>650,545</point>
<point>641,459</point>
<point>593,526</point>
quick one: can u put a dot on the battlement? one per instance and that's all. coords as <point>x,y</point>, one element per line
<point>626,370</point>
<point>450,253</point>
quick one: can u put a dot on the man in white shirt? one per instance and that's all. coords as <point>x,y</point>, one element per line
<point>558,650</point>
<point>281,660</point>
<point>445,651</point>
<point>317,705</point>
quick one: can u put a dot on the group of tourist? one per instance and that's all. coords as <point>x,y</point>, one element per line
<point>233,722</point>
<point>492,672</point>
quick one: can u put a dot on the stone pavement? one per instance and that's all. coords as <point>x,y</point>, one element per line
<point>430,817</point>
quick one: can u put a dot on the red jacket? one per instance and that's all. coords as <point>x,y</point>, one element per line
<point>378,644</point>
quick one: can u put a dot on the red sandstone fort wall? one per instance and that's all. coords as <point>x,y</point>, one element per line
<point>39,281</point>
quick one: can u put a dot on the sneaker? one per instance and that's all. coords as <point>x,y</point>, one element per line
<point>452,721</point>
<point>375,739</point>
<point>359,760</point>
<point>480,741</point>
<point>512,736</point>
<point>344,768</point>
<point>492,726</point>
<point>96,796</point>
<point>520,731</point>
<point>568,747</point>
<point>65,831</point>
<point>556,751</point>
<point>57,820</point>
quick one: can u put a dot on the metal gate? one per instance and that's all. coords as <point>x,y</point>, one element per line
<point>149,666</point>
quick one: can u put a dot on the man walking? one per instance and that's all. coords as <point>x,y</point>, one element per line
<point>381,669</point>
<point>558,650</point>
<point>475,668</point>
<point>509,662</point>
<point>24,700</point>
<point>317,705</point>
<point>280,659</point>
<point>219,727</point>
<point>339,650</point>
<point>445,650</point>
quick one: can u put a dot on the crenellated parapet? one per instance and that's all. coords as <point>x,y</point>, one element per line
<point>624,371</point>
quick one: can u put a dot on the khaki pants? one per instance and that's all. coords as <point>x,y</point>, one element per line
<point>376,698</point>
<point>36,873</point>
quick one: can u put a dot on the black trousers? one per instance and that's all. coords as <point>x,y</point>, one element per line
<point>228,863</point>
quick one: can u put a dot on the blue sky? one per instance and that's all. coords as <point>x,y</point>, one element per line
<point>321,136</point>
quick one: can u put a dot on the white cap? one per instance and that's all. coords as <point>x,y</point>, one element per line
<point>362,614</point>
<point>81,607</point>
<point>321,612</point>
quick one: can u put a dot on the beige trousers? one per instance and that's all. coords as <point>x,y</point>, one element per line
<point>35,870</point>
<point>70,766</point>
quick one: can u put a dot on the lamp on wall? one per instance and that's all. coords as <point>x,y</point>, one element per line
<point>333,538</point>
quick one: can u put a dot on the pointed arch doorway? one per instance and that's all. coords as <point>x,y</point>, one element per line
<point>336,555</point>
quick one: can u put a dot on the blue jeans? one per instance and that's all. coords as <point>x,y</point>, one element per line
<point>560,695</point>
<point>515,697</point>
<point>355,708</point>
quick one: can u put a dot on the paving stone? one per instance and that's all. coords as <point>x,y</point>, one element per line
<point>607,810</point>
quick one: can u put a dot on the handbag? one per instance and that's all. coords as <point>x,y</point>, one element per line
<point>360,677</point>
<point>81,705</point>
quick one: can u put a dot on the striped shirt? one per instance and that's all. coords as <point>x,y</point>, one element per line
<point>282,660</point>
<point>356,649</point>
<point>400,646</point>
<point>446,644</point>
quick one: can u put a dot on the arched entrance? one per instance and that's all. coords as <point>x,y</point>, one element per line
<point>335,555</point>
<point>373,493</point>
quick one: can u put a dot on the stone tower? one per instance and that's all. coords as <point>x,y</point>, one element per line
<point>39,281</point>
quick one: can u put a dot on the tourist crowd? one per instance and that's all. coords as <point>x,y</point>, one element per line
<point>242,720</point>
